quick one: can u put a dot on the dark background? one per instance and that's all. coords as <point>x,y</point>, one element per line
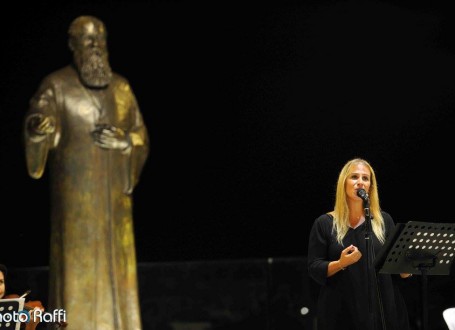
<point>252,110</point>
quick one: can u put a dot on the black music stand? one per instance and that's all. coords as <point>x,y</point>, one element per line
<point>420,248</point>
<point>8,309</point>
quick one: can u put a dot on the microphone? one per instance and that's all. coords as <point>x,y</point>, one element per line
<point>363,194</point>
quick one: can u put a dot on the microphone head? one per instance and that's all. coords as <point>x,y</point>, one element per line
<point>362,194</point>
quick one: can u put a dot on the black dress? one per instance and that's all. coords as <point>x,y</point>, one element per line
<point>343,301</point>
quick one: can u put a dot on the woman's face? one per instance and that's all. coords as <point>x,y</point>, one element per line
<point>2,285</point>
<point>358,178</point>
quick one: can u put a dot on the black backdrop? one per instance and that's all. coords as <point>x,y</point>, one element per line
<point>252,109</point>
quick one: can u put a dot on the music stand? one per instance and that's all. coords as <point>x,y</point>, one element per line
<point>420,248</point>
<point>10,312</point>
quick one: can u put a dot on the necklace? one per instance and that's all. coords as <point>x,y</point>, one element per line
<point>96,98</point>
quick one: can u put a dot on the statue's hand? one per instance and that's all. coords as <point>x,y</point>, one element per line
<point>110,137</point>
<point>39,124</point>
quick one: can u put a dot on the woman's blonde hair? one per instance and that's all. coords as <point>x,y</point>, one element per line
<point>341,210</point>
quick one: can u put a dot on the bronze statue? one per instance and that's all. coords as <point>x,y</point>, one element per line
<point>86,120</point>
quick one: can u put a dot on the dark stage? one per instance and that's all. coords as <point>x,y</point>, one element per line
<point>252,109</point>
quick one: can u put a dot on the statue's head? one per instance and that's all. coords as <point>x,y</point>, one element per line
<point>88,42</point>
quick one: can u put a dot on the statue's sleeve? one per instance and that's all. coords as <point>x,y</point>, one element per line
<point>37,146</point>
<point>139,146</point>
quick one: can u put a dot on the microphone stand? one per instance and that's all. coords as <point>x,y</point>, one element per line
<point>371,272</point>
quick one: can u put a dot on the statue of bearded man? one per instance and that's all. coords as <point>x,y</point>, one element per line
<point>85,123</point>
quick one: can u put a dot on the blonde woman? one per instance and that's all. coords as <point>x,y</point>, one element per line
<point>337,258</point>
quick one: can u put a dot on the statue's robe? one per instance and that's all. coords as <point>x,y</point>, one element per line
<point>93,271</point>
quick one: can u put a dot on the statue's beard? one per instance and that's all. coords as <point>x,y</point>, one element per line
<point>94,68</point>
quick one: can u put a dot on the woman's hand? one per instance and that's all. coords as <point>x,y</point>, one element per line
<point>349,256</point>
